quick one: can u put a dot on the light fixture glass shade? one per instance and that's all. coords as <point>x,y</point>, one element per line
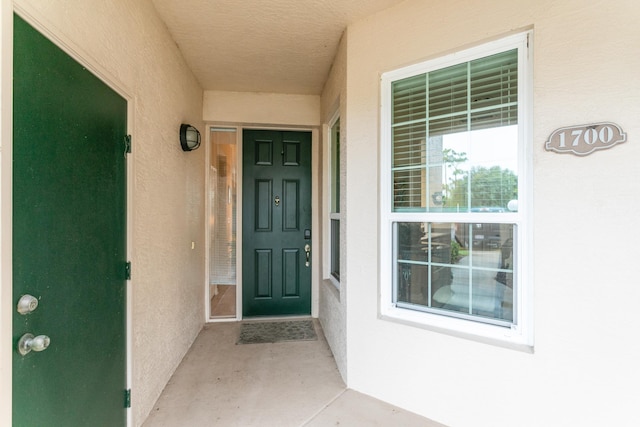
<point>189,137</point>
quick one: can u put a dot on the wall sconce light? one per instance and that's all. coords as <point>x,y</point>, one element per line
<point>189,137</point>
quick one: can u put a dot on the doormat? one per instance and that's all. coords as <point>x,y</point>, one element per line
<point>270,332</point>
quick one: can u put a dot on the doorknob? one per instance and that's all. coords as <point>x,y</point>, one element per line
<point>28,343</point>
<point>27,304</point>
<point>307,249</point>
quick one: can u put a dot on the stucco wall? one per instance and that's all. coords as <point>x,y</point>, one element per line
<point>126,42</point>
<point>333,301</point>
<point>261,108</point>
<point>584,369</point>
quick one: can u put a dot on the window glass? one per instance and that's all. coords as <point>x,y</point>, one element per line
<point>460,153</point>
<point>222,222</point>
<point>454,131</point>
<point>335,167</point>
<point>334,257</point>
<point>459,268</point>
<point>335,249</point>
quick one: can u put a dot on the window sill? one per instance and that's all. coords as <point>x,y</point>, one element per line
<point>465,329</point>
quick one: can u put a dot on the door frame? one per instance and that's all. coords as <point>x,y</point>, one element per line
<point>316,236</point>
<point>41,23</point>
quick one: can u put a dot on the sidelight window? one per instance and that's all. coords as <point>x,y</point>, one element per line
<point>222,222</point>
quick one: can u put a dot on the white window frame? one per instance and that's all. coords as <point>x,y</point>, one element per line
<point>520,334</point>
<point>328,213</point>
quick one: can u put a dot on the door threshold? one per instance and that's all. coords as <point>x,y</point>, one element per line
<point>279,318</point>
<point>222,319</point>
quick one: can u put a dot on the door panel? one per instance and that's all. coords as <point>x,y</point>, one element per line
<point>69,248</point>
<point>263,207</point>
<point>276,212</point>
<point>290,205</point>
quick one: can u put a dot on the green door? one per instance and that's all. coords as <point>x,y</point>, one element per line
<point>276,223</point>
<point>69,248</point>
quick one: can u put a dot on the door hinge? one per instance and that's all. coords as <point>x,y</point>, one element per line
<point>127,398</point>
<point>127,144</point>
<point>127,270</point>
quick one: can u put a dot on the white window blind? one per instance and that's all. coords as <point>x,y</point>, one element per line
<point>474,95</point>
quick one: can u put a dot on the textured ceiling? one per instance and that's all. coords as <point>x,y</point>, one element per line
<point>279,46</point>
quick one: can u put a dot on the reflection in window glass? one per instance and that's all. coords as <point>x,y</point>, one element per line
<point>335,249</point>
<point>334,215</point>
<point>464,269</point>
<point>474,171</point>
<point>222,222</point>
<point>455,137</point>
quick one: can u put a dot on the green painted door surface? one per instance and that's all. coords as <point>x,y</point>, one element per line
<point>69,248</point>
<point>276,279</point>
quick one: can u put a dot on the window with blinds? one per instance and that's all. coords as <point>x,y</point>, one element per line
<point>222,219</point>
<point>460,99</point>
<point>453,224</point>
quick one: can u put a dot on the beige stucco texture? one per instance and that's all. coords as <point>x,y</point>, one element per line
<point>586,70</point>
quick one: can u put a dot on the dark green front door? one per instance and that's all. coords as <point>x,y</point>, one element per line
<point>69,248</point>
<point>276,241</point>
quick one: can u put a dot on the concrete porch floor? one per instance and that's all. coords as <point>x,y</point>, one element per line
<point>297,383</point>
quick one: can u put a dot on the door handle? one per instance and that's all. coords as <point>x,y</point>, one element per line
<point>307,249</point>
<point>28,343</point>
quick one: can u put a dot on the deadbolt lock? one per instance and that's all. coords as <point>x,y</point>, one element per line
<point>27,304</point>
